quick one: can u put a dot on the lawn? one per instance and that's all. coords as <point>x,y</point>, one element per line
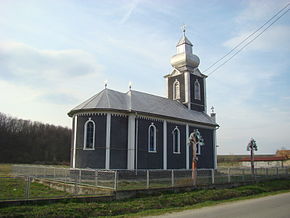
<point>145,205</point>
<point>14,187</point>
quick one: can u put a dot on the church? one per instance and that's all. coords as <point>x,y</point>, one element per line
<point>137,130</point>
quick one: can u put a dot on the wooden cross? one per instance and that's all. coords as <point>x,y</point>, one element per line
<point>183,28</point>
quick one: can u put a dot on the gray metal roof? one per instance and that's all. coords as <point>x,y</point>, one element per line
<point>143,103</point>
<point>184,40</point>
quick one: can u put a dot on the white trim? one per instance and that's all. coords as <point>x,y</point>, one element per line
<point>108,141</point>
<point>75,141</point>
<point>178,140</point>
<point>165,145</point>
<point>166,88</point>
<point>176,90</point>
<point>154,138</point>
<point>187,146</point>
<point>131,142</point>
<point>154,118</point>
<point>85,134</point>
<point>186,87</point>
<point>197,95</point>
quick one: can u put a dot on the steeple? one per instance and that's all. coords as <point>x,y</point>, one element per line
<point>184,58</point>
<point>186,84</point>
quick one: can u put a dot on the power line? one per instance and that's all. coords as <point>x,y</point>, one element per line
<point>238,45</point>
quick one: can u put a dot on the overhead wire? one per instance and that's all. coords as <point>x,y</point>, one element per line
<point>238,45</point>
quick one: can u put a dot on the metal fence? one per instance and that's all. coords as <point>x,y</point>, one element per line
<point>43,182</point>
<point>88,177</point>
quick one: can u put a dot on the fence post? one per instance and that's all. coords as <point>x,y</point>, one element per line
<point>277,172</point>
<point>96,178</point>
<point>212,176</point>
<point>80,176</point>
<point>172,178</point>
<point>243,170</point>
<point>267,172</point>
<point>116,180</point>
<point>76,180</point>
<point>148,179</point>
<point>27,187</point>
<point>54,173</point>
<point>229,175</point>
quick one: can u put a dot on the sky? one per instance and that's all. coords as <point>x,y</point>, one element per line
<point>55,54</point>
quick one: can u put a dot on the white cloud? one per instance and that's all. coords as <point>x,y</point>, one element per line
<point>275,38</point>
<point>22,62</point>
<point>45,84</point>
<point>257,10</point>
<point>130,8</point>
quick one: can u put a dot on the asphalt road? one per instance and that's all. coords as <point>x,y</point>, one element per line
<point>275,206</point>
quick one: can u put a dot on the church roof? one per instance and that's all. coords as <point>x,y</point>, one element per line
<point>134,101</point>
<point>184,40</point>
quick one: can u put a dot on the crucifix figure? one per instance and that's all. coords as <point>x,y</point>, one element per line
<point>252,146</point>
<point>195,139</point>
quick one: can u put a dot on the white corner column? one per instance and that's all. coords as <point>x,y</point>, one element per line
<point>108,141</point>
<point>166,87</point>
<point>187,88</point>
<point>187,146</point>
<point>204,97</point>
<point>75,141</point>
<point>131,142</point>
<point>165,145</point>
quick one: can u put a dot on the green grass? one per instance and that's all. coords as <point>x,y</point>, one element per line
<point>146,205</point>
<point>14,188</point>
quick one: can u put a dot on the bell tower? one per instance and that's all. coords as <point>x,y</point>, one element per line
<point>186,83</point>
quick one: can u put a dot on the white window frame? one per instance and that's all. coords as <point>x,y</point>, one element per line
<point>178,140</point>
<point>154,138</point>
<point>175,91</point>
<point>197,91</point>
<point>85,134</point>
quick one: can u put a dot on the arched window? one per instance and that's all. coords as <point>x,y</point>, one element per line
<point>89,135</point>
<point>152,138</point>
<point>176,90</point>
<point>176,140</point>
<point>197,90</point>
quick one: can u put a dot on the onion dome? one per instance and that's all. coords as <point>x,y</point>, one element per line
<point>184,59</point>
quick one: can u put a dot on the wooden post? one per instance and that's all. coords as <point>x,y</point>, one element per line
<point>194,163</point>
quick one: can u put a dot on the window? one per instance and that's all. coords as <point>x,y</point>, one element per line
<point>176,90</point>
<point>89,135</point>
<point>176,140</point>
<point>197,90</point>
<point>152,138</point>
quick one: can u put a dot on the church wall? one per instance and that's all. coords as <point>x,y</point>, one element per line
<point>171,80</point>
<point>197,104</point>
<point>176,161</point>
<point>119,142</point>
<point>206,157</point>
<point>91,158</point>
<point>145,159</point>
